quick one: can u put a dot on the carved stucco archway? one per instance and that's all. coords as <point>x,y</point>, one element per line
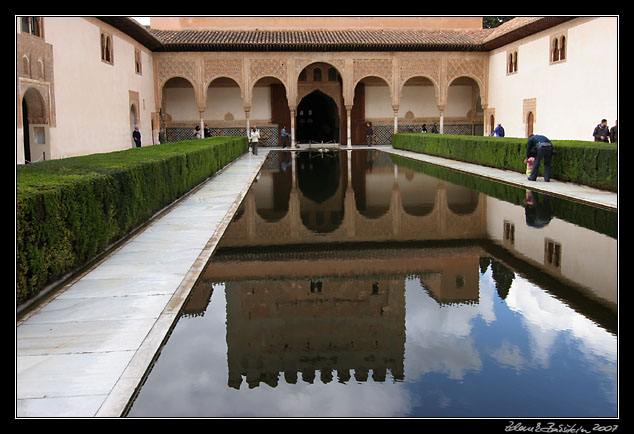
<point>262,68</point>
<point>381,68</point>
<point>474,68</point>
<point>161,87</point>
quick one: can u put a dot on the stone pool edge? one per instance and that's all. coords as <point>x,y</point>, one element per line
<point>122,394</point>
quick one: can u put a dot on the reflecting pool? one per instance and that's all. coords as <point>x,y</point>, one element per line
<point>361,284</point>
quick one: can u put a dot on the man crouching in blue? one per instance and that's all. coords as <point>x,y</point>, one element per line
<point>541,148</point>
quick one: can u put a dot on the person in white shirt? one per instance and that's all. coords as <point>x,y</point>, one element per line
<point>254,138</point>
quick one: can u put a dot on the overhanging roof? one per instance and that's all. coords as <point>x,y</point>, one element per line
<point>320,40</point>
<point>334,40</point>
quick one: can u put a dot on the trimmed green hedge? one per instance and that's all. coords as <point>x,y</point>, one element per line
<point>589,163</point>
<point>68,211</point>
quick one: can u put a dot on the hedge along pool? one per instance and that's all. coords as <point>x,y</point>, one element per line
<point>356,284</point>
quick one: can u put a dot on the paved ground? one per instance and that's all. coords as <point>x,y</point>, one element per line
<point>83,353</point>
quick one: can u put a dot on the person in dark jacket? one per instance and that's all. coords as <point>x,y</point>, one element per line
<point>614,132</point>
<point>541,148</point>
<point>601,132</point>
<point>136,135</point>
<point>499,131</point>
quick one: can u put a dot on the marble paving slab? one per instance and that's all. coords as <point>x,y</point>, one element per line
<point>84,352</point>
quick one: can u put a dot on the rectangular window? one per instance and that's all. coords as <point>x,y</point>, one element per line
<point>137,62</point>
<point>511,61</point>
<point>552,253</point>
<point>558,47</point>
<point>509,232</point>
<point>106,48</point>
<point>32,25</point>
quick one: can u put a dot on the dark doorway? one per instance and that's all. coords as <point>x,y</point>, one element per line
<point>317,119</point>
<point>25,129</point>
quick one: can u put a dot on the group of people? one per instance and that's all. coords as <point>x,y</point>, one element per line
<point>204,133</point>
<point>254,138</point>
<point>538,148</point>
<point>601,132</point>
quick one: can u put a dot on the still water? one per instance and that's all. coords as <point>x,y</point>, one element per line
<point>358,284</point>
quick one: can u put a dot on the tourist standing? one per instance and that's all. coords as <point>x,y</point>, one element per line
<point>197,133</point>
<point>254,137</point>
<point>541,148</point>
<point>369,133</point>
<point>601,132</point>
<point>498,131</point>
<point>614,133</point>
<point>136,135</point>
<point>284,137</point>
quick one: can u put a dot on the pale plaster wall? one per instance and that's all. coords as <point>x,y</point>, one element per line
<point>420,100</point>
<point>571,96</point>
<point>459,101</point>
<point>224,100</point>
<point>378,102</point>
<point>180,104</point>
<point>92,97</point>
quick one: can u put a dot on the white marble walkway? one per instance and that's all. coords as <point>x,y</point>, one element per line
<point>84,352</point>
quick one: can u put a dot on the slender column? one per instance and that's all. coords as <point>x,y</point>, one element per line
<point>442,118</point>
<point>292,128</point>
<point>246,113</point>
<point>395,119</point>
<point>202,124</point>
<point>349,139</point>
<point>293,171</point>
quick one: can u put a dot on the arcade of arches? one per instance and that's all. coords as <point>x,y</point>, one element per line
<point>321,97</point>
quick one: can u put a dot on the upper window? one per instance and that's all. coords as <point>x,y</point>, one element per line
<point>558,47</point>
<point>511,62</point>
<point>106,48</point>
<point>137,61</point>
<point>32,25</point>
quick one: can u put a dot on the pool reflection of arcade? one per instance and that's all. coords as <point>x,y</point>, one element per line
<point>330,310</point>
<point>314,267</point>
<point>323,196</point>
<point>337,307</point>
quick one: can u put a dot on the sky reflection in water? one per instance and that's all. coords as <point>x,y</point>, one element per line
<point>512,349</point>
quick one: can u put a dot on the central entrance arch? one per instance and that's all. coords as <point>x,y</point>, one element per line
<point>317,119</point>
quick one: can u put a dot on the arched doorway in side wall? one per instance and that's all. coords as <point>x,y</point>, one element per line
<point>317,119</point>
<point>35,127</point>
<point>134,122</point>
